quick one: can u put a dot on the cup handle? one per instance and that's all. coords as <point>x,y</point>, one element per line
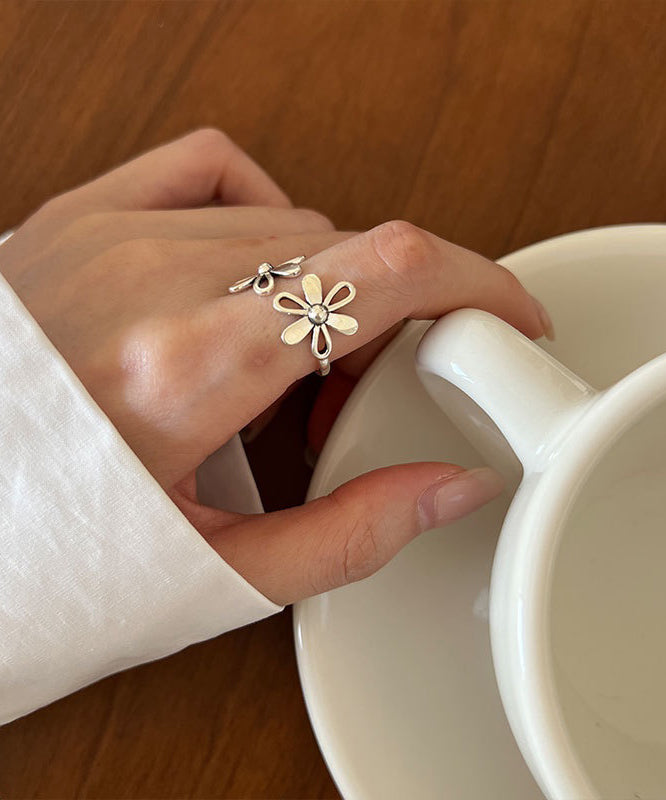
<point>501,389</point>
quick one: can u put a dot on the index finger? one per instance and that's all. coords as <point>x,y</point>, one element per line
<point>398,270</point>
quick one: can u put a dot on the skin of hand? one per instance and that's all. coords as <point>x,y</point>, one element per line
<point>128,276</point>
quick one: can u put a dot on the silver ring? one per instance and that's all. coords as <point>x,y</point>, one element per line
<point>264,281</point>
<point>317,314</point>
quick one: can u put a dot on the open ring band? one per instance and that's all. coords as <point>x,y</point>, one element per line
<point>317,314</point>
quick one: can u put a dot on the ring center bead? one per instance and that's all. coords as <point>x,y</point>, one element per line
<point>318,314</point>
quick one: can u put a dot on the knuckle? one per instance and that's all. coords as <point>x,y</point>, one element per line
<point>316,220</point>
<point>55,205</point>
<point>402,247</point>
<point>361,550</point>
<point>153,372</point>
<point>361,556</point>
<point>513,285</point>
<point>145,350</point>
<point>208,138</point>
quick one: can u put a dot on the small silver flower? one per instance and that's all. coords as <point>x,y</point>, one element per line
<point>317,315</point>
<point>264,281</point>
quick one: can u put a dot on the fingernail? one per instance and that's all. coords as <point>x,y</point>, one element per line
<point>545,320</point>
<point>458,495</point>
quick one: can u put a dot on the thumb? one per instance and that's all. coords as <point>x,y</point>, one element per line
<point>350,533</point>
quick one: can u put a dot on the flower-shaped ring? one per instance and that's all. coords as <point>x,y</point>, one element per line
<point>317,315</point>
<point>264,281</point>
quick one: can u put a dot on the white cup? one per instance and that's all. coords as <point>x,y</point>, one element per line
<point>578,591</point>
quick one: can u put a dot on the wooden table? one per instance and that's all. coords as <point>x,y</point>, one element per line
<point>492,123</point>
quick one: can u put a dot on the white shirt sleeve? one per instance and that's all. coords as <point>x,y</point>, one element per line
<point>99,570</point>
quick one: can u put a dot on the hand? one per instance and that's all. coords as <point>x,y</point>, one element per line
<point>128,277</point>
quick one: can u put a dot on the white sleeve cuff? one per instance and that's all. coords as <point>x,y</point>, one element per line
<point>99,570</point>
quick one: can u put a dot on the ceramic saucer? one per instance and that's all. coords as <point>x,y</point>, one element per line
<point>396,670</point>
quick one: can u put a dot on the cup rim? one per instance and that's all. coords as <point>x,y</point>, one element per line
<point>531,259</point>
<point>521,583</point>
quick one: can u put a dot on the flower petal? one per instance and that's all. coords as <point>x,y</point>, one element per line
<point>301,306</point>
<point>289,269</point>
<point>343,323</point>
<point>244,283</point>
<point>312,289</point>
<point>297,331</point>
<point>319,332</point>
<point>264,284</point>
<point>328,302</point>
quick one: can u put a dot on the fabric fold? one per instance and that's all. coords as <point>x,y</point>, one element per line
<point>99,570</point>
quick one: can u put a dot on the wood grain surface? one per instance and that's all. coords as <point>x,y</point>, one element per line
<point>492,123</point>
